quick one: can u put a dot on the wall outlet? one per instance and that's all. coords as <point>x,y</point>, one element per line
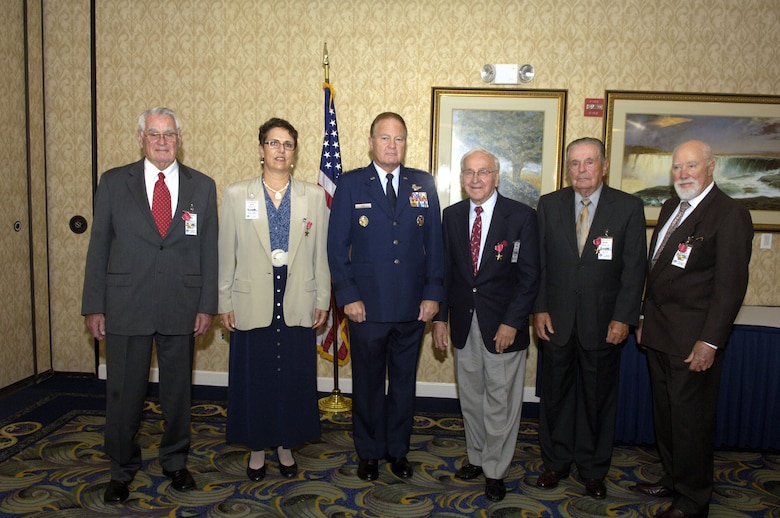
<point>766,241</point>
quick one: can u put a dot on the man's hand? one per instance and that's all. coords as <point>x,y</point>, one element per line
<point>96,323</point>
<point>356,311</point>
<point>543,325</point>
<point>440,338</point>
<point>202,323</point>
<point>701,358</point>
<point>505,336</point>
<point>616,332</point>
<point>428,310</point>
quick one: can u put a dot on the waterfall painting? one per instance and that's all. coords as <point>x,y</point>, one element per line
<point>643,128</point>
<point>523,128</point>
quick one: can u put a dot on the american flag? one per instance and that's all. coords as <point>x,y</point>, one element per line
<point>330,169</point>
<point>330,162</point>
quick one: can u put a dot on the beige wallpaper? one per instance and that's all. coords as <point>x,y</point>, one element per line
<point>14,254</point>
<point>227,65</point>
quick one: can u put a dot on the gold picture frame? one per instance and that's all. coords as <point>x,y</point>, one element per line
<point>641,129</point>
<point>523,128</point>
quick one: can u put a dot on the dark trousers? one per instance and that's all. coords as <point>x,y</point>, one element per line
<point>382,423</point>
<point>684,408</point>
<point>578,407</point>
<point>127,364</point>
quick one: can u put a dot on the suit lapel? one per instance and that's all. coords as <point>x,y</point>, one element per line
<point>566,215</point>
<point>461,235</point>
<point>136,184</point>
<point>297,218</point>
<point>680,235</point>
<point>495,233</point>
<point>261,223</point>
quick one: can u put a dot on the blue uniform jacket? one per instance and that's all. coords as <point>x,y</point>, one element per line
<point>389,261</point>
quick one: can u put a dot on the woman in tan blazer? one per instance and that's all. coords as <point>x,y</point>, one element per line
<point>274,291</point>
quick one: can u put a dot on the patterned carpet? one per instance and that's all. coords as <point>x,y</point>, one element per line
<point>56,467</point>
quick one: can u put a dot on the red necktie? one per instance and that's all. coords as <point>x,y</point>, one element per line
<point>161,205</point>
<point>476,237</point>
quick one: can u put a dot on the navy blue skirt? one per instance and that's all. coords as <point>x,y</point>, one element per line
<point>272,390</point>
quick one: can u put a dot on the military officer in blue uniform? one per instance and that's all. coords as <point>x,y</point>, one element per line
<point>386,258</point>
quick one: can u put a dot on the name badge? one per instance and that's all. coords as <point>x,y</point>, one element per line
<point>252,210</point>
<point>603,248</point>
<point>191,224</point>
<point>419,199</point>
<point>681,256</point>
<point>515,251</point>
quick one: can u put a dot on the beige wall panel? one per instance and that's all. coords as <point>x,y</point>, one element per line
<point>226,66</point>
<point>69,174</point>
<point>16,354</point>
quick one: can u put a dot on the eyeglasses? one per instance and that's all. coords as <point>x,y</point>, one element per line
<point>481,174</point>
<point>156,137</point>
<point>274,144</point>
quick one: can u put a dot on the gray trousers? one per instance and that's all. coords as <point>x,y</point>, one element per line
<point>490,388</point>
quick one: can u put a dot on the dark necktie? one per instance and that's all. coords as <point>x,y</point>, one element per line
<point>390,191</point>
<point>476,238</point>
<point>161,205</point>
<point>583,224</point>
<point>672,227</point>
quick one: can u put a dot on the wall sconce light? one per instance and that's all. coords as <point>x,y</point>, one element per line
<point>507,74</point>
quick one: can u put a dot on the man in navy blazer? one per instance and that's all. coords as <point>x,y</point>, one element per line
<point>697,278</point>
<point>593,250</point>
<point>387,273</point>
<point>144,285</point>
<point>491,277</point>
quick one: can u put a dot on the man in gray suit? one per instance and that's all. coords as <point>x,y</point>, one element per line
<point>593,245</point>
<point>151,277</point>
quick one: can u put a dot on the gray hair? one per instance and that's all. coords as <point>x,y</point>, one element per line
<point>158,110</point>
<point>474,151</point>
<point>590,141</point>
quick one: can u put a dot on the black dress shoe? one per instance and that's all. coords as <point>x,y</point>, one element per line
<point>288,471</point>
<point>655,489</point>
<point>596,488</point>
<point>116,492</point>
<point>368,469</point>
<point>255,474</point>
<point>181,479</point>
<point>550,479</point>
<point>494,489</point>
<point>468,472</point>
<point>401,467</point>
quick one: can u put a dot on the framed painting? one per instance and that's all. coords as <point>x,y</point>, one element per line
<point>642,129</point>
<point>523,128</point>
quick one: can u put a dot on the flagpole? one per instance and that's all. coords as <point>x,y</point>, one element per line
<point>336,402</point>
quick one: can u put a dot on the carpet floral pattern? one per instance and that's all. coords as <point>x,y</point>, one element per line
<point>63,472</point>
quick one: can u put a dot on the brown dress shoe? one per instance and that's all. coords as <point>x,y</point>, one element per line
<point>673,512</point>
<point>549,479</point>
<point>655,489</point>
<point>596,488</point>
